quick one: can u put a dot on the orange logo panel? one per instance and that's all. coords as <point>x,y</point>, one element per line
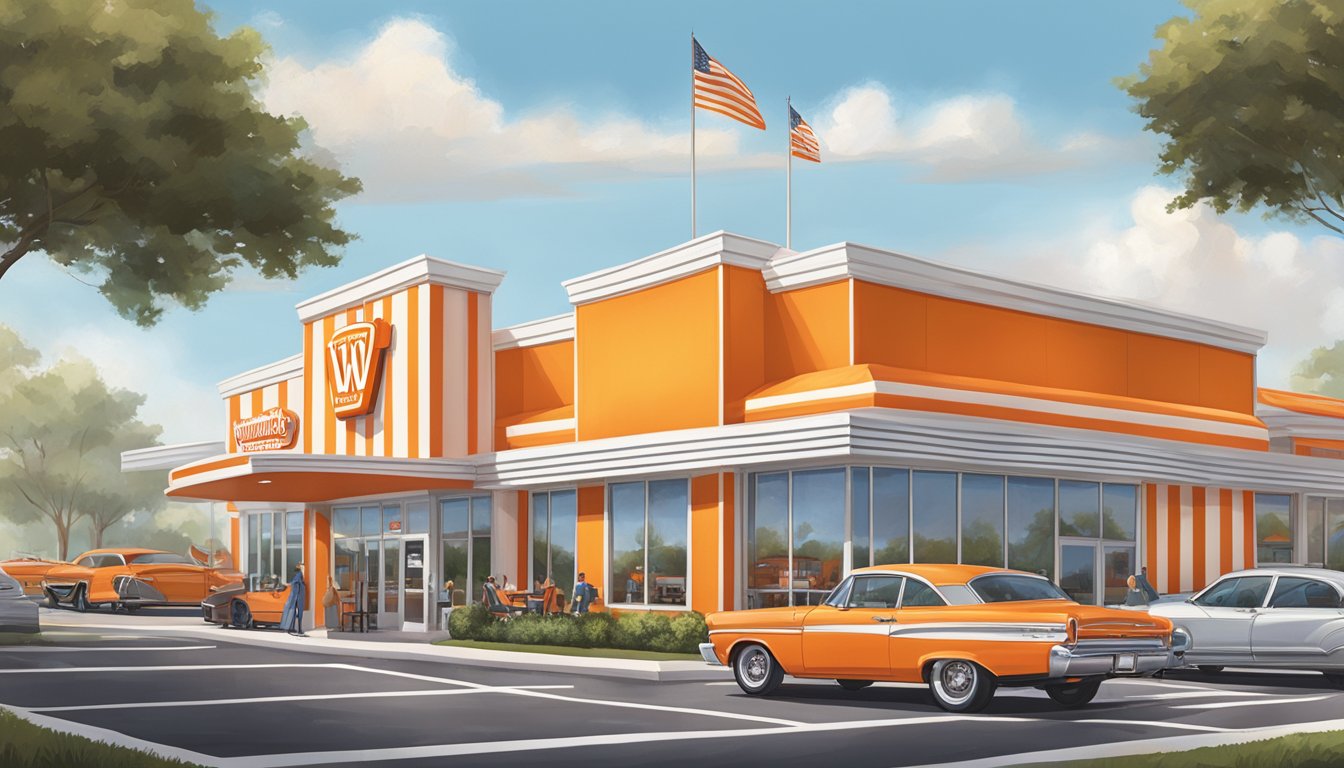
<point>355,366</point>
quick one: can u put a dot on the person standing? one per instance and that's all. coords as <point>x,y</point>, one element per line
<point>293,614</point>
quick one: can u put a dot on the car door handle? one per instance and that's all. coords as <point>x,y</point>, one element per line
<point>884,619</point>
<point>1248,610</point>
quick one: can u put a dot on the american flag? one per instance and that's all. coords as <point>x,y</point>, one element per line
<point>802,141</point>
<point>718,90</point>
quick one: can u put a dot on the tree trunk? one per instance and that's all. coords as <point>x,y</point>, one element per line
<point>62,540</point>
<point>98,535</point>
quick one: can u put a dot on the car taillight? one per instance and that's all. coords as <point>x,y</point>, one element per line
<point>1071,631</point>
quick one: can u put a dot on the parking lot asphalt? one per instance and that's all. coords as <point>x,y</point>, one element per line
<point>222,704</point>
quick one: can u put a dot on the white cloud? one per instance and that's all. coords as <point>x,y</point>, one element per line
<point>1195,262</point>
<point>402,119</point>
<point>956,139</point>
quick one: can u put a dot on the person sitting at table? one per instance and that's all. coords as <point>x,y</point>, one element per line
<point>534,597</point>
<point>508,586</point>
<point>491,586</point>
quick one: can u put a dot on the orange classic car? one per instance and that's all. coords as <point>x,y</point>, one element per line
<point>963,630</point>
<point>129,578</point>
<point>238,606</point>
<point>29,571</point>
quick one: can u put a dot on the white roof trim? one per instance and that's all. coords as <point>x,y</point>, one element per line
<point>680,261</point>
<point>279,461</point>
<point>421,269</point>
<point>912,439</point>
<point>1285,423</point>
<point>271,373</point>
<point>168,456</point>
<point>848,260</point>
<point>535,332</point>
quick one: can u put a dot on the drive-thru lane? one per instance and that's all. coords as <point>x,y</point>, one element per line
<point>230,705</point>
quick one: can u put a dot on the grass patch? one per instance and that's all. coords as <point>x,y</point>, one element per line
<point>1308,750</point>
<point>24,745</point>
<point>26,638</point>
<point>561,650</point>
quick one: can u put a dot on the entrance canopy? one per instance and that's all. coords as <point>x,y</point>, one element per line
<point>309,478</point>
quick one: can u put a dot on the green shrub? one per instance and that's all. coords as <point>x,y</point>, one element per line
<point>641,631</point>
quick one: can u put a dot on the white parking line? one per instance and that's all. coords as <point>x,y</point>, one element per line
<point>268,699</point>
<point>1261,703</point>
<point>167,668</point>
<point>66,649</point>
<point>1194,695</point>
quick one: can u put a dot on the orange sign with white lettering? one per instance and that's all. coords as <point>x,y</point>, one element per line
<point>271,430</point>
<point>355,366</point>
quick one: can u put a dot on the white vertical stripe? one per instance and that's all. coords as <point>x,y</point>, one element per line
<point>400,363</point>
<point>270,396</point>
<point>1160,536</point>
<point>1238,532</point>
<point>485,376</point>
<point>453,336</point>
<point>423,333</point>
<point>340,423</point>
<point>376,425</point>
<point>722,371</point>
<point>1187,543</point>
<point>317,388</point>
<point>722,576</point>
<point>244,406</point>
<point>1213,530</point>
<point>294,402</point>
<point>358,423</point>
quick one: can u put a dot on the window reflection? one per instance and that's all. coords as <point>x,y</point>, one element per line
<point>648,541</point>
<point>860,512</point>
<point>1273,528</point>
<point>818,532</point>
<point>934,502</point>
<point>891,516</point>
<point>982,519</point>
<point>1119,511</point>
<point>767,550</point>
<point>1031,525</point>
<point>1079,508</point>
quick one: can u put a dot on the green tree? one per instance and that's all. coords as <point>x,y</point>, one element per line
<point>60,431</point>
<point>1248,94</point>
<point>133,149</point>
<point>110,494</point>
<point>1322,372</point>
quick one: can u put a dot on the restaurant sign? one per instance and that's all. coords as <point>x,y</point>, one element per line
<point>355,366</point>
<point>271,430</point>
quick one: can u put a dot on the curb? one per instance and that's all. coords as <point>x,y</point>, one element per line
<point>316,642</point>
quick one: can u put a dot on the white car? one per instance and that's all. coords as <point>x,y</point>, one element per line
<point>1286,617</point>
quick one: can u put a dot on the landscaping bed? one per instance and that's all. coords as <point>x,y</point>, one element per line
<point>644,631</point>
<point>24,745</point>
<point>562,650</point>
<point>1308,750</point>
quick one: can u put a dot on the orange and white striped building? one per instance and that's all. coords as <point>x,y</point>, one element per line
<point>728,424</point>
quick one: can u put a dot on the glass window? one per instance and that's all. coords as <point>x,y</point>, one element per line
<point>982,519</point>
<point>626,507</point>
<point>1273,528</point>
<point>1011,587</point>
<point>1119,563</point>
<point>161,558</point>
<point>875,592</point>
<point>859,515</point>
<point>417,517</point>
<point>465,546</point>
<point>372,521</point>
<point>540,520</point>
<point>891,516</point>
<point>1079,508</point>
<point>346,562</point>
<point>934,498</point>
<point>1078,571</point>
<point>1315,524</point>
<point>392,519</point>
<point>293,543</point>
<point>1294,592</point>
<point>456,518</point>
<point>1240,592</point>
<point>480,515</point>
<point>818,532</point>
<point>919,595</point>
<point>1031,525</point>
<point>554,522</point>
<point>454,570</point>
<point>768,545</point>
<point>840,595</point>
<point>1334,534</point>
<point>958,594</point>
<point>1119,511</point>
<point>345,522</point>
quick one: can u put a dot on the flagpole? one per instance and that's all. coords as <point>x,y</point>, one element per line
<point>788,183</point>
<point>692,135</point>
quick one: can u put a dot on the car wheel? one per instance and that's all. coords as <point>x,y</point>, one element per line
<point>1335,678</point>
<point>80,600</point>
<point>854,685</point>
<point>961,686</point>
<point>1074,694</point>
<point>1210,668</point>
<point>756,670</point>
<point>240,615</point>
<point>52,601</point>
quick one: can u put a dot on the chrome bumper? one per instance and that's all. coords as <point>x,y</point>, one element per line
<point>707,652</point>
<point>1138,657</point>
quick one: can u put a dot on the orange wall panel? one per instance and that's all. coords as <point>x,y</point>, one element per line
<point>1164,369</point>
<point>319,571</point>
<point>1087,358</point>
<point>1223,380</point>
<point>807,330</point>
<point>744,299</point>
<point>705,543</point>
<point>536,378</point>
<point>890,326</point>
<point>985,342</point>
<point>591,534</point>
<point>649,361</point>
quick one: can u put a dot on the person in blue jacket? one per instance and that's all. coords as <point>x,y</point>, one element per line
<point>292,619</point>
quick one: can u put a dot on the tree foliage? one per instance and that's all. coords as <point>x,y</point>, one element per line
<point>1322,372</point>
<point>1250,97</point>
<point>133,149</point>
<point>62,430</point>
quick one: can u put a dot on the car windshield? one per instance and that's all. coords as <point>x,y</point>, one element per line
<point>161,558</point>
<point>1010,588</point>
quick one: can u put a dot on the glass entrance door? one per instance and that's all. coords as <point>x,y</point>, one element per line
<point>1078,571</point>
<point>415,591</point>
<point>389,610</point>
<point>373,577</point>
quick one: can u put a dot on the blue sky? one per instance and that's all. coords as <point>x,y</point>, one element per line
<point>548,139</point>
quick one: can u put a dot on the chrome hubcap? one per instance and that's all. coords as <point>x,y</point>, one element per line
<point>958,678</point>
<point>755,668</point>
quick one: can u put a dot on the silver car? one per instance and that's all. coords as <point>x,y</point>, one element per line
<point>1288,617</point>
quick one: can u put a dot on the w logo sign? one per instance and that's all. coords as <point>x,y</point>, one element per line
<point>355,366</point>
